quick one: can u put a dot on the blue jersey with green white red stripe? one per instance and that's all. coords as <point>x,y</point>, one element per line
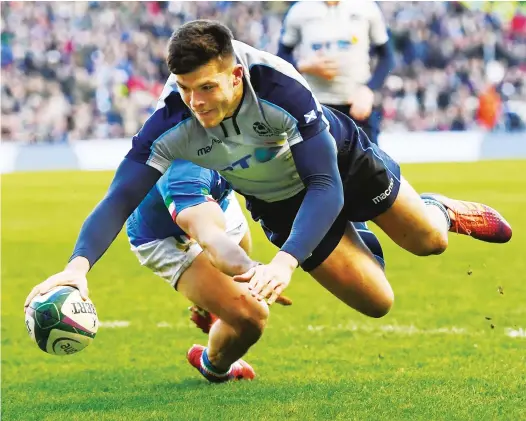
<point>182,186</point>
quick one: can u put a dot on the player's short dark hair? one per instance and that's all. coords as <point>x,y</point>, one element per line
<point>196,43</point>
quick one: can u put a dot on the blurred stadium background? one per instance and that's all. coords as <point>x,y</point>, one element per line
<point>80,78</point>
<point>94,70</point>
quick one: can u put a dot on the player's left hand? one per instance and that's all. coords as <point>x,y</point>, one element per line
<point>269,281</point>
<point>361,103</point>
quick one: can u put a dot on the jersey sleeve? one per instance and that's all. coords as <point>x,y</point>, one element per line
<point>290,103</point>
<point>185,185</point>
<point>378,28</point>
<point>157,143</point>
<point>291,30</point>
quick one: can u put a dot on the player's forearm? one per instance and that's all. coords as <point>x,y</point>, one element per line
<point>285,52</point>
<point>100,228</point>
<point>131,183</point>
<point>226,255</point>
<point>321,204</point>
<point>383,67</point>
<point>316,163</point>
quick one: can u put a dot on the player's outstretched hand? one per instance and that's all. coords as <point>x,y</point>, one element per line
<point>269,281</point>
<point>74,275</point>
<point>361,102</point>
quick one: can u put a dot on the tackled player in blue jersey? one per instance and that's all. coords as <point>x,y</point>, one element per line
<point>305,170</point>
<point>189,222</point>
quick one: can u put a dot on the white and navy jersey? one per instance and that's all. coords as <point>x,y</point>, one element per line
<point>251,149</point>
<point>344,31</point>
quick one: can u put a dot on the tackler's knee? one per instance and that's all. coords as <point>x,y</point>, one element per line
<point>382,304</point>
<point>381,310</point>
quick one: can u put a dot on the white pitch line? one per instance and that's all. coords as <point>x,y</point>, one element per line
<point>400,329</point>
<point>517,332</point>
<point>114,323</point>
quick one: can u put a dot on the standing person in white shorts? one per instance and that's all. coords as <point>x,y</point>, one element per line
<point>332,44</point>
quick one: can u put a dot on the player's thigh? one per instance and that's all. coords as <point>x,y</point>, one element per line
<point>246,242</point>
<point>203,284</point>
<point>352,274</point>
<point>409,224</point>
<point>166,258</point>
<point>189,271</point>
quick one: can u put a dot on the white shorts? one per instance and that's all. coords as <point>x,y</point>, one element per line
<point>168,258</point>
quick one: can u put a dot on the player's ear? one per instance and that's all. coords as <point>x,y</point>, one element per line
<point>238,74</point>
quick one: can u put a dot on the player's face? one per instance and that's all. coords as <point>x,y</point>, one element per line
<point>212,91</point>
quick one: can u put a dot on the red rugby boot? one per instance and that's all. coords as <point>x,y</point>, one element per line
<point>240,370</point>
<point>202,318</point>
<point>474,219</point>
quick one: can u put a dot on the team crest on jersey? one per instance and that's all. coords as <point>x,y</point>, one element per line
<point>262,129</point>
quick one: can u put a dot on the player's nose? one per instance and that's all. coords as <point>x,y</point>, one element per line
<point>196,102</point>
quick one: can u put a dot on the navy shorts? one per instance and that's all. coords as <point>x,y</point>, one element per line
<point>371,181</point>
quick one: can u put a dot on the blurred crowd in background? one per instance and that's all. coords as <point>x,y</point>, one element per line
<point>85,70</point>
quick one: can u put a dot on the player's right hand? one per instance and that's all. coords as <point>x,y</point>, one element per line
<point>321,66</point>
<point>74,278</point>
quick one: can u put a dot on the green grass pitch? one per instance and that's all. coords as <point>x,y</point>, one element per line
<point>452,348</point>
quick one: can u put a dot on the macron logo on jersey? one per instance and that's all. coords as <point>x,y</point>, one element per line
<point>385,194</point>
<point>208,149</point>
<point>310,116</point>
